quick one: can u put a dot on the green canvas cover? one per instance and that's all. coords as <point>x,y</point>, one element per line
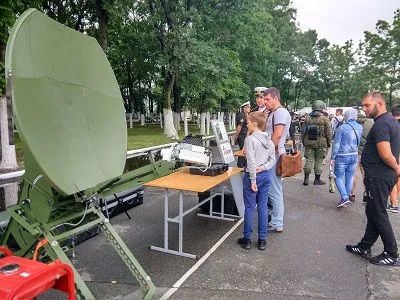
<point>66,103</point>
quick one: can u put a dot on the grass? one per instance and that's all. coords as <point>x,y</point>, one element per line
<point>152,135</point>
<point>138,137</point>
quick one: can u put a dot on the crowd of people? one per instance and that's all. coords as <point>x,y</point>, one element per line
<point>367,139</point>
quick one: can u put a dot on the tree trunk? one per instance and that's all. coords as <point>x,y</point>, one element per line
<point>161,120</point>
<point>203,123</point>
<point>102,18</point>
<point>8,157</point>
<point>198,120</point>
<point>222,116</point>
<point>185,123</point>
<point>234,120</point>
<point>192,115</point>
<point>130,120</point>
<point>10,194</point>
<point>208,120</point>
<point>177,120</point>
<point>142,119</point>
<point>177,102</point>
<point>151,106</point>
<point>169,128</point>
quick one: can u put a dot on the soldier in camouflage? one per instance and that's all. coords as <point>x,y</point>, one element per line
<point>316,137</point>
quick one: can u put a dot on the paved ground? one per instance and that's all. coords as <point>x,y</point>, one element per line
<point>306,261</point>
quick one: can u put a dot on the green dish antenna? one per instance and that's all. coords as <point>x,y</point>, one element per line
<point>70,116</point>
<point>67,104</point>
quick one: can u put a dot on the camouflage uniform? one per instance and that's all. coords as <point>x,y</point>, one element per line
<point>367,124</point>
<point>315,150</point>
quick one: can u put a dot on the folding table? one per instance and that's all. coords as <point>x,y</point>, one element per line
<point>182,181</point>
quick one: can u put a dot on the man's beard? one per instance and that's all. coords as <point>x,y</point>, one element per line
<point>374,112</point>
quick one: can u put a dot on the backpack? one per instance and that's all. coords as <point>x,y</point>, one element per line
<point>312,132</point>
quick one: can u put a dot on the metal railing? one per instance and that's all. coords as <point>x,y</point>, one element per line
<point>145,151</point>
<point>129,154</point>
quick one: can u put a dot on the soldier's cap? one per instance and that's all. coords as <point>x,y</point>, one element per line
<point>245,104</point>
<point>260,91</point>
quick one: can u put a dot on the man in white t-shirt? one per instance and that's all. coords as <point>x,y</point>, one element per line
<point>278,125</point>
<point>337,120</point>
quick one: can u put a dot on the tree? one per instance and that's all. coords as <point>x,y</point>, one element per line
<point>211,78</point>
<point>382,52</point>
<point>133,54</point>
<point>171,21</point>
<point>244,27</point>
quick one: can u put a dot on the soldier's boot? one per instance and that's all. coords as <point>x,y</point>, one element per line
<point>306,177</point>
<point>318,181</point>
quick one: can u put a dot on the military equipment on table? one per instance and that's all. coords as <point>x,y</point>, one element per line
<point>70,116</point>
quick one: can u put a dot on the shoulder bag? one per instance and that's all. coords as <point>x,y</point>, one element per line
<point>289,164</point>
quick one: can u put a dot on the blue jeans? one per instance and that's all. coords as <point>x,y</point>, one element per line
<point>251,199</point>
<point>345,168</point>
<point>276,199</point>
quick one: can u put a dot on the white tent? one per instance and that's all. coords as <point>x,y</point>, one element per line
<point>330,110</point>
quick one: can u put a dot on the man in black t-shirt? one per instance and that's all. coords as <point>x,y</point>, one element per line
<point>380,161</point>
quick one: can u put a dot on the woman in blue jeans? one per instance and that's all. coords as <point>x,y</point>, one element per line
<point>345,154</point>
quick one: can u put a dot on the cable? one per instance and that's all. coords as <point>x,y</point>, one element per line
<point>207,167</point>
<point>73,224</point>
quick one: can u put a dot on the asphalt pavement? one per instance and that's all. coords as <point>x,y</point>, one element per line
<point>307,261</point>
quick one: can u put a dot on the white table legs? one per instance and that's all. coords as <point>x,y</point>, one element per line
<point>179,219</point>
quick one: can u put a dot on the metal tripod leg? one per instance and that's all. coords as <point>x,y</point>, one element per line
<point>55,251</point>
<point>123,251</point>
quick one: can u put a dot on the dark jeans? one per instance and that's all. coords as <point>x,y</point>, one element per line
<point>378,224</point>
<point>241,159</point>
<point>253,199</point>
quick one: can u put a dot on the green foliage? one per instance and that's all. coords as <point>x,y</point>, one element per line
<point>7,18</point>
<point>382,53</point>
<point>132,53</point>
<point>211,74</point>
<point>209,55</point>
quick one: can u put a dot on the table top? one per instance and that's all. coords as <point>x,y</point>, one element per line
<point>183,180</point>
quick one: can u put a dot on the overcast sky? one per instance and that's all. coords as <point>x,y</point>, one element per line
<point>341,20</point>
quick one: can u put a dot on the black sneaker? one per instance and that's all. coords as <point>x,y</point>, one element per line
<point>366,253</point>
<point>385,259</point>
<point>262,244</point>
<point>244,243</point>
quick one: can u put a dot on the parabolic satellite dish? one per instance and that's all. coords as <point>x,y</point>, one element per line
<point>66,102</point>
